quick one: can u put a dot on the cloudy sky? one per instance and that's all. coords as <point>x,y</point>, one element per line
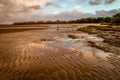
<point>33,10</point>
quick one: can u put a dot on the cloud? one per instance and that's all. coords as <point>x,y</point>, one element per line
<point>109,1</point>
<point>50,3</point>
<point>13,5</point>
<point>36,7</point>
<point>55,12</point>
<point>72,0</point>
<point>95,2</point>
<point>15,10</point>
<point>67,15</point>
<point>72,15</point>
<point>104,13</point>
<point>77,7</point>
<point>30,10</point>
<point>64,5</point>
<point>98,2</point>
<point>57,5</point>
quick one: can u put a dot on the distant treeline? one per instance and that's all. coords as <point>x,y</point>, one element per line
<point>109,20</point>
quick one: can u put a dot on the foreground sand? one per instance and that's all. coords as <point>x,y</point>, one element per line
<point>50,55</point>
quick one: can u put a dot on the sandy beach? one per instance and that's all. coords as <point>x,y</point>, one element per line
<point>55,53</point>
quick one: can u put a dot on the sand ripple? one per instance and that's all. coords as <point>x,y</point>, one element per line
<point>23,56</point>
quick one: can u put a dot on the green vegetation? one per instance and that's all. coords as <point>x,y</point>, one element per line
<point>116,19</point>
<point>103,20</point>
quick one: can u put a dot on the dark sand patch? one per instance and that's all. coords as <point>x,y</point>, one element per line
<point>17,30</point>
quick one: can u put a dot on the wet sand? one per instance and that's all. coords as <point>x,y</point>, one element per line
<point>13,28</point>
<point>50,54</point>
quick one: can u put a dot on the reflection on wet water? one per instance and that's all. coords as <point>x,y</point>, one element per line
<point>53,55</point>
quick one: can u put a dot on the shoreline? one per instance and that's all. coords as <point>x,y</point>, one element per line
<point>38,25</point>
<point>19,28</point>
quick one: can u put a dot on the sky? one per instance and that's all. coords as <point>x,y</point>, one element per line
<point>34,10</point>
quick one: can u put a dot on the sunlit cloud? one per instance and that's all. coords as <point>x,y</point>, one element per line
<point>77,7</point>
<point>27,10</point>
